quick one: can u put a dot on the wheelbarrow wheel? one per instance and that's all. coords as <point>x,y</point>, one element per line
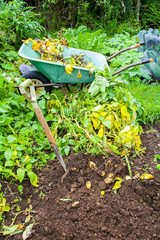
<point>38,78</point>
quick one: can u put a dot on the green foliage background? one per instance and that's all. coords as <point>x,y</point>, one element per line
<point>114,16</point>
<point>101,26</point>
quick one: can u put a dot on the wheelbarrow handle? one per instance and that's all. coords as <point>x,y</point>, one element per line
<point>132,65</point>
<point>123,50</point>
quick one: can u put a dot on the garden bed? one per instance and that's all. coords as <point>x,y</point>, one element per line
<point>71,211</point>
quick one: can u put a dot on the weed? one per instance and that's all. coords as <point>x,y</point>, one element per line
<point>156,160</point>
<point>20,189</point>
<point>42,195</point>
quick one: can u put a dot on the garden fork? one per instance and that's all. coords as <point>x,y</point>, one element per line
<point>31,97</point>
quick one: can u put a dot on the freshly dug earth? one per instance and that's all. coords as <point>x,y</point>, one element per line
<point>70,211</point>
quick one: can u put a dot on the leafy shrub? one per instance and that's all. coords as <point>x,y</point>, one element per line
<point>150,12</point>
<point>17,22</point>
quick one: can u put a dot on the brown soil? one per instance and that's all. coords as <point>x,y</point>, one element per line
<point>70,211</point>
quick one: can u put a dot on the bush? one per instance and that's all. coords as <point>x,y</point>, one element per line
<point>17,22</point>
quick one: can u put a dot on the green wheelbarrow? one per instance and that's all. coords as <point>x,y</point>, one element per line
<point>53,74</point>
<point>46,74</point>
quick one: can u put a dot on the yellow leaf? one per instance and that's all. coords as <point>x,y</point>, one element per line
<point>101,132</point>
<point>124,111</point>
<point>48,44</point>
<point>35,46</point>
<point>96,115</point>
<point>27,41</point>
<point>63,42</point>
<point>117,184</point>
<point>3,206</point>
<point>21,226</point>
<point>117,124</point>
<point>101,173</point>
<point>95,123</point>
<point>134,114</point>
<point>89,65</point>
<point>73,62</point>
<point>123,153</point>
<point>28,218</point>
<point>14,155</point>
<point>118,179</point>
<point>102,193</point>
<point>103,114</point>
<point>79,75</point>
<point>53,50</point>
<point>27,158</point>
<point>69,68</point>
<point>146,176</point>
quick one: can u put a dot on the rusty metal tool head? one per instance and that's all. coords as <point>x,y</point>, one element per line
<point>30,95</point>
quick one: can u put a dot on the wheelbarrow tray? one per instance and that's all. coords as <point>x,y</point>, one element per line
<point>55,72</point>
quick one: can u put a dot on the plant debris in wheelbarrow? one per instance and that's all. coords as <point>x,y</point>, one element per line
<point>61,64</point>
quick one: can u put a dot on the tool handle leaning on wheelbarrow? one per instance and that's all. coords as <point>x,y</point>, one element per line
<point>31,97</point>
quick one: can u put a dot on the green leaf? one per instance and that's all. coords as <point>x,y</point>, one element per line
<point>3,109</point>
<point>42,104</point>
<point>9,163</point>
<point>29,116</point>
<point>11,138</point>
<point>21,174</point>
<point>11,230</point>
<point>1,81</point>
<point>5,120</point>
<point>98,108</point>
<point>71,141</point>
<point>8,154</point>
<point>5,170</point>
<point>66,150</point>
<point>107,124</point>
<point>6,66</point>
<point>49,117</point>
<point>2,148</point>
<point>82,41</point>
<point>93,90</point>
<point>86,122</point>
<point>20,147</point>
<point>33,178</point>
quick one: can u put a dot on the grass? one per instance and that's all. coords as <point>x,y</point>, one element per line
<point>149,96</point>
